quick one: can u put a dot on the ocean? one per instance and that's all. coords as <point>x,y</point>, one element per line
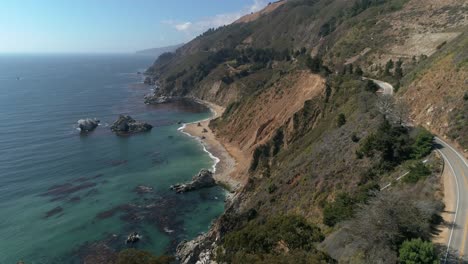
<point>64,195</point>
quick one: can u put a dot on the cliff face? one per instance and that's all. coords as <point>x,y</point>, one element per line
<point>300,114</point>
<point>438,93</point>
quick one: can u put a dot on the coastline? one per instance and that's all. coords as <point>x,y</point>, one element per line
<point>224,164</point>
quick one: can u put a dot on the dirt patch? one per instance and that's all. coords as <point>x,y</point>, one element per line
<point>425,43</point>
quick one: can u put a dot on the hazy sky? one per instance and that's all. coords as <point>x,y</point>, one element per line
<point>43,26</point>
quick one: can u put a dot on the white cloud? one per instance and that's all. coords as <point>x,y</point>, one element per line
<point>196,27</point>
<point>183,26</point>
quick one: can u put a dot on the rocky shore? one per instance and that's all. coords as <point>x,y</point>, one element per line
<point>228,161</point>
<point>204,179</point>
<point>226,158</point>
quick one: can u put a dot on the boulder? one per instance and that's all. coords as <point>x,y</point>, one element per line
<point>127,125</point>
<point>203,179</point>
<point>88,124</point>
<point>133,238</point>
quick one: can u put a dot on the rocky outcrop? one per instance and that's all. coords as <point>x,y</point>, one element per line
<point>88,124</point>
<point>133,238</point>
<point>149,81</point>
<point>158,99</point>
<point>128,125</point>
<point>203,179</point>
<point>195,251</point>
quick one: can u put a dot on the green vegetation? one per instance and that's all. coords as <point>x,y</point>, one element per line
<point>394,144</point>
<point>135,256</point>
<point>344,205</point>
<point>423,144</point>
<point>265,238</point>
<point>416,172</point>
<point>314,64</point>
<point>371,86</point>
<point>417,251</point>
<point>341,120</point>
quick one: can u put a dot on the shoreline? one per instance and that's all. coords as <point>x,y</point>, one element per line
<point>223,163</point>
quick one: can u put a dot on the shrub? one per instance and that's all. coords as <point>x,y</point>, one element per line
<point>355,138</point>
<point>391,142</point>
<point>227,79</point>
<point>341,120</point>
<point>417,171</point>
<point>272,188</point>
<point>371,86</point>
<point>314,64</point>
<point>417,251</point>
<point>423,144</point>
<point>339,210</point>
<point>262,237</point>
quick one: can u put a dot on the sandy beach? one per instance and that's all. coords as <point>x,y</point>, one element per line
<point>225,162</point>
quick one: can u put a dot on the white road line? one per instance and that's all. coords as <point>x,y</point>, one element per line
<point>456,209</point>
<point>454,150</point>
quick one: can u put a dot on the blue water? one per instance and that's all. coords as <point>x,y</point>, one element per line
<point>62,194</point>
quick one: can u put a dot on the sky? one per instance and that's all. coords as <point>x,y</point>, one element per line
<point>111,26</point>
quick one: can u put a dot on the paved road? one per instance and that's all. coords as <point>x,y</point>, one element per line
<point>457,166</point>
<point>385,86</point>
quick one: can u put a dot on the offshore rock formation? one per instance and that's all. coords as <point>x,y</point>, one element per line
<point>128,125</point>
<point>88,124</point>
<point>203,179</point>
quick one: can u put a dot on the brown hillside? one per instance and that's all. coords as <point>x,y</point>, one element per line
<point>254,16</point>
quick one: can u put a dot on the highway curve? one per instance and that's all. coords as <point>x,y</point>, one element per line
<point>457,166</point>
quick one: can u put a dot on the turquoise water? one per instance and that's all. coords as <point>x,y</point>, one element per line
<point>61,193</point>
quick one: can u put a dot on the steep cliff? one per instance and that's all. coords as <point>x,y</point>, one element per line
<point>438,92</point>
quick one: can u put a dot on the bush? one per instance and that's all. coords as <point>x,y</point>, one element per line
<point>272,188</point>
<point>344,205</point>
<point>341,120</point>
<point>314,64</point>
<point>341,209</point>
<point>417,171</point>
<point>423,144</point>
<point>417,251</point>
<point>391,142</point>
<point>263,237</point>
<point>371,86</point>
<point>355,138</point>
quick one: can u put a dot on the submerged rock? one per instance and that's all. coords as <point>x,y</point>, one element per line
<point>88,124</point>
<point>203,179</point>
<point>128,125</point>
<point>133,238</point>
<point>141,189</point>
